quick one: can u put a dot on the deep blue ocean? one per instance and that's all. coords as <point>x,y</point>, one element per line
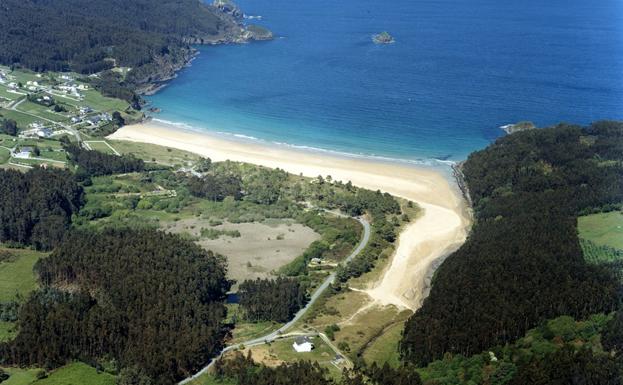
<point>458,70</point>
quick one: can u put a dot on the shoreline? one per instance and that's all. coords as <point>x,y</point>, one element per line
<point>442,227</point>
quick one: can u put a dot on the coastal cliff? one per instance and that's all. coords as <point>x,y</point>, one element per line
<point>130,47</point>
<point>231,30</point>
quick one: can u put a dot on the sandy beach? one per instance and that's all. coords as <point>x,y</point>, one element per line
<point>442,227</point>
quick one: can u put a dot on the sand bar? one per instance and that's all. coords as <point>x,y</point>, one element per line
<point>441,228</point>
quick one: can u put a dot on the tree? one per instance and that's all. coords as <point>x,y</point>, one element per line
<point>118,119</point>
<point>133,375</point>
<point>9,127</point>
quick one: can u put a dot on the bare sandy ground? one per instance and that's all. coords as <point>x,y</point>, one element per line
<point>442,227</point>
<point>260,249</point>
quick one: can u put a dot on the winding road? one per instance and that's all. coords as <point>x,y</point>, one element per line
<point>279,332</point>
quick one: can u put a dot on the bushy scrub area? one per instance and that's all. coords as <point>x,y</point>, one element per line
<point>522,263</point>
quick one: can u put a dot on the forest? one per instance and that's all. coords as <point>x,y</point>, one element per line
<point>271,299</point>
<point>522,263</point>
<point>243,370</point>
<point>91,36</point>
<point>96,163</point>
<point>36,207</point>
<point>124,298</point>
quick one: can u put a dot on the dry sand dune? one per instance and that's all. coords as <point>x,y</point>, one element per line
<point>441,228</point>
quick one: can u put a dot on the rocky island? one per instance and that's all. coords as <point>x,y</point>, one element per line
<point>383,38</point>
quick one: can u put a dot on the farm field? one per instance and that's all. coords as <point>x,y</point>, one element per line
<point>604,229</point>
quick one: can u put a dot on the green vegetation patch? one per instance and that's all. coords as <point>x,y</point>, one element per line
<point>604,229</point>
<point>385,347</point>
<point>77,373</point>
<point>17,276</point>
<point>7,331</point>
<point>20,376</point>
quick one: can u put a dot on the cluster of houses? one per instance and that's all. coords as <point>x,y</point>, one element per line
<point>34,86</point>
<point>36,130</point>
<point>72,89</point>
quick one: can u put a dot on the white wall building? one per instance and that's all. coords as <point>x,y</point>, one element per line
<point>303,344</point>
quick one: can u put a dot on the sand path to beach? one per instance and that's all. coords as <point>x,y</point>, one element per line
<point>441,228</point>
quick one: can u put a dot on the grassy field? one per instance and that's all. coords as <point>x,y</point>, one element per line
<point>17,277</point>
<point>101,146</point>
<point>245,331</point>
<point>281,351</point>
<point>385,347</point>
<point>7,331</point>
<point>76,373</point>
<point>19,376</point>
<point>208,379</point>
<point>4,155</point>
<point>605,229</point>
<point>154,153</point>
<point>23,120</point>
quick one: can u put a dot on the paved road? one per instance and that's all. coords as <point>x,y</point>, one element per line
<point>279,332</point>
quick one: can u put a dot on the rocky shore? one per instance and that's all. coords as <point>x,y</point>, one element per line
<point>233,31</point>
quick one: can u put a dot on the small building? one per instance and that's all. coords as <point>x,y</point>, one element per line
<point>94,120</point>
<point>85,110</point>
<point>303,344</point>
<point>44,132</point>
<point>24,153</point>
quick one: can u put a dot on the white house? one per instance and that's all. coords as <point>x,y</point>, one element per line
<point>24,153</point>
<point>303,344</point>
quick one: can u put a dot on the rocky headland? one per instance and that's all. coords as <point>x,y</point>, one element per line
<point>231,30</point>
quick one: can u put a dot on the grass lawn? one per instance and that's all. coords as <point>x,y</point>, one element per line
<point>605,229</point>
<point>245,331</point>
<point>97,101</point>
<point>20,376</point>
<point>101,146</point>
<point>208,379</point>
<point>4,155</point>
<point>53,154</point>
<point>42,111</point>
<point>23,120</point>
<point>7,331</point>
<point>8,95</point>
<point>282,351</point>
<point>77,373</point>
<point>154,153</point>
<point>385,347</point>
<point>17,276</point>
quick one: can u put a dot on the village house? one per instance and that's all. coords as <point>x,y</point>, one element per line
<point>24,153</point>
<point>303,344</point>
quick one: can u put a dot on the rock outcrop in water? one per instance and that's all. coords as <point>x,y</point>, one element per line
<point>383,38</point>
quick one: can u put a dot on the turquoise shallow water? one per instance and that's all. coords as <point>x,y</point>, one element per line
<point>457,71</point>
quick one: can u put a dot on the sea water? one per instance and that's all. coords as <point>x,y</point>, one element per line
<point>457,71</point>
